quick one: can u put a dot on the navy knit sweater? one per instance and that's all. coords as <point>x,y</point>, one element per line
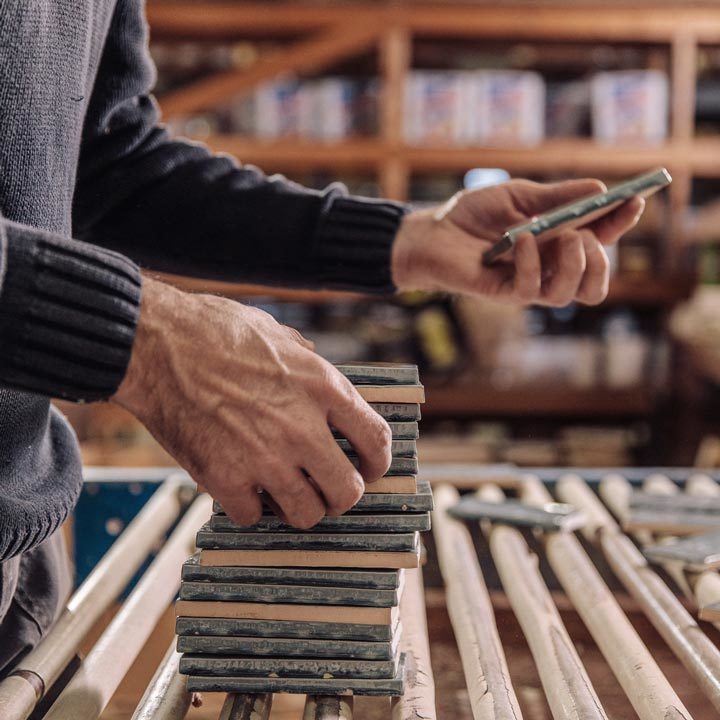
<point>90,187</point>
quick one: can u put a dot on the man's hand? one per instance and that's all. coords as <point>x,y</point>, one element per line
<point>442,250</point>
<point>244,404</point>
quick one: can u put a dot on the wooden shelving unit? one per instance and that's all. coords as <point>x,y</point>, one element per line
<point>317,36</point>
<point>324,34</point>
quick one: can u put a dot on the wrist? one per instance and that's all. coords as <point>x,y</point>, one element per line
<point>408,261</point>
<point>157,305</point>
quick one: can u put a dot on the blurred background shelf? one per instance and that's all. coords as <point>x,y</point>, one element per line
<point>324,91</point>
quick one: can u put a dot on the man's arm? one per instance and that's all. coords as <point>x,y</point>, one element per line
<point>68,313</point>
<point>255,414</point>
<point>174,206</point>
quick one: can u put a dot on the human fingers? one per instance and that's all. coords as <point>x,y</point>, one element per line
<point>610,228</point>
<point>533,198</point>
<point>295,495</point>
<point>243,508</point>
<point>596,280</point>
<point>334,476</point>
<point>564,265</point>
<point>367,432</point>
<point>526,280</point>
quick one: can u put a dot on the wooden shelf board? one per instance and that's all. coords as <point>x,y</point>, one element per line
<point>238,291</point>
<point>655,292</point>
<point>580,155</point>
<point>625,292</point>
<point>565,21</point>
<point>576,155</point>
<point>466,399</point>
<point>301,154</point>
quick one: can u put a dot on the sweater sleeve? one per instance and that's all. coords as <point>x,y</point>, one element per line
<point>68,312</point>
<point>174,206</point>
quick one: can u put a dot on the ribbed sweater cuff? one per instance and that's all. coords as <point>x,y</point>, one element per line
<point>354,247</point>
<point>68,313</point>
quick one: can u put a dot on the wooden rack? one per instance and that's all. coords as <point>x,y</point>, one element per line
<point>625,619</point>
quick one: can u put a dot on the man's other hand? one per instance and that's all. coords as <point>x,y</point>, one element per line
<point>244,404</point>
<point>441,250</point>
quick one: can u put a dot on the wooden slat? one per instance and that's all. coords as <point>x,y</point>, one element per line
<point>672,621</point>
<point>328,46</point>
<point>648,690</point>
<point>568,688</point>
<point>246,707</point>
<point>573,155</point>
<point>567,21</point>
<point>706,585</point>
<point>395,62</point>
<point>615,491</point>
<point>492,696</point>
<point>299,155</point>
<point>579,156</point>
<point>165,697</point>
<point>684,79</point>
<point>464,398</point>
<point>91,688</point>
<point>108,579</point>
<point>328,707</point>
<point>418,700</point>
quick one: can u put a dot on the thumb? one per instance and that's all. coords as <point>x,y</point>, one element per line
<point>535,198</point>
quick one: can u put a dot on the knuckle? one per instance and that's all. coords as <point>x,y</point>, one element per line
<point>382,435</point>
<point>528,292</point>
<point>295,492</point>
<point>349,497</point>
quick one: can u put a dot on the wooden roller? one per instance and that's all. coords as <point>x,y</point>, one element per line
<point>659,603</point>
<point>568,688</point>
<point>18,694</point>
<point>328,707</point>
<point>616,491</point>
<point>648,690</point>
<point>165,697</point>
<point>492,696</point>
<point>706,585</point>
<point>246,707</point>
<point>87,694</point>
<point>418,700</point>
<point>702,485</point>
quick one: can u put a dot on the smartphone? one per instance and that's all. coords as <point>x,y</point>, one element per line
<point>581,212</point>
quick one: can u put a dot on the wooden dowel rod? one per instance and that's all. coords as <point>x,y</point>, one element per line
<point>101,672</point>
<point>706,585</point>
<point>166,697</point>
<point>246,706</point>
<point>659,603</point>
<point>658,484</point>
<point>615,492</point>
<point>492,696</point>
<point>418,700</point>
<point>649,692</point>
<point>18,697</point>
<point>568,688</point>
<point>702,486</point>
<point>328,707</point>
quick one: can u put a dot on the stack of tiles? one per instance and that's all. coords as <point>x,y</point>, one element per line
<point>269,608</point>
